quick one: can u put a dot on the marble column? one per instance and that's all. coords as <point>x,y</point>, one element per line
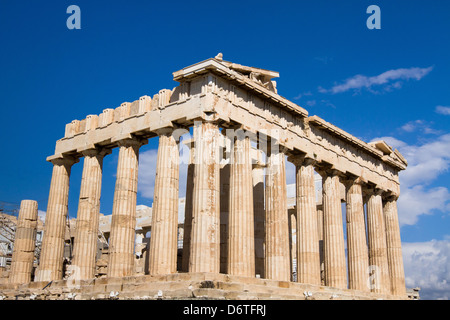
<point>205,235</point>
<point>333,232</point>
<point>123,222</point>
<point>308,255</point>
<point>277,264</point>
<point>358,257</point>
<point>241,246</point>
<point>378,263</point>
<point>52,248</point>
<point>86,234</point>
<point>394,247</point>
<point>24,243</point>
<point>163,241</point>
<point>259,217</point>
<point>188,210</point>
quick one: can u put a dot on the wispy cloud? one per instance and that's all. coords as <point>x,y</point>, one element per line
<point>443,110</point>
<point>388,80</point>
<point>324,59</point>
<point>311,103</point>
<point>419,125</point>
<point>304,94</point>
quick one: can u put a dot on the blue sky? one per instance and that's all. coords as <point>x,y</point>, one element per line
<point>390,83</point>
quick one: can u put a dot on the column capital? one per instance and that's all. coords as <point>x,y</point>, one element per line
<point>350,180</point>
<point>245,132</point>
<point>301,160</point>
<point>96,151</point>
<point>278,145</point>
<point>132,141</point>
<point>208,118</point>
<point>165,131</point>
<point>371,190</point>
<point>326,171</point>
<point>64,160</point>
<point>390,196</point>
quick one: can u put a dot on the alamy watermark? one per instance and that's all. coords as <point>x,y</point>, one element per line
<point>74,20</point>
<point>374,21</point>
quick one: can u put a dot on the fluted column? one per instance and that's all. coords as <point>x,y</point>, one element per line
<point>333,232</point>
<point>86,234</point>
<point>24,243</point>
<point>188,210</point>
<point>123,222</point>
<point>394,247</point>
<point>378,264</point>
<point>205,236</point>
<point>308,255</point>
<point>358,257</point>
<point>52,248</point>
<point>277,264</point>
<point>163,241</point>
<point>241,246</point>
<point>259,217</point>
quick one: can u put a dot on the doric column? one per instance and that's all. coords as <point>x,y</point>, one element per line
<point>86,234</point>
<point>277,264</point>
<point>308,255</point>
<point>205,236</point>
<point>259,217</point>
<point>123,222</point>
<point>394,247</point>
<point>378,265</point>
<point>163,240</point>
<point>241,246</point>
<point>188,210</point>
<point>333,232</point>
<point>24,243</point>
<point>358,257</point>
<point>52,248</point>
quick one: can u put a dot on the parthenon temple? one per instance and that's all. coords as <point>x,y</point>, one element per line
<point>241,232</point>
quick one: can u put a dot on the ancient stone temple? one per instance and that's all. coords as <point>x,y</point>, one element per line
<point>238,240</point>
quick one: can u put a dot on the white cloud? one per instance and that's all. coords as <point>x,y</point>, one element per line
<point>411,126</point>
<point>41,215</point>
<point>147,173</point>
<point>418,200</point>
<point>393,142</point>
<point>426,163</point>
<point>443,110</point>
<point>427,265</point>
<point>389,80</point>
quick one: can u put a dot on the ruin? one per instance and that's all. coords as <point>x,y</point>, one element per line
<point>237,239</point>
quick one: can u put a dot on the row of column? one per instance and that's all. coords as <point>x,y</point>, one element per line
<point>245,211</point>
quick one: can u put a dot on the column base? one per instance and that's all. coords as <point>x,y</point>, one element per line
<point>189,286</point>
